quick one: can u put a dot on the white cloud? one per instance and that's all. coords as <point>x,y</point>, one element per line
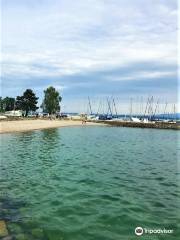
<point>87,35</point>
<point>142,75</point>
<point>56,38</point>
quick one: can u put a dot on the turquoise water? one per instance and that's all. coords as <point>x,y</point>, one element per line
<point>83,183</point>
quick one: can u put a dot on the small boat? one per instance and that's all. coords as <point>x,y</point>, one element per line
<point>105,117</point>
<point>135,119</point>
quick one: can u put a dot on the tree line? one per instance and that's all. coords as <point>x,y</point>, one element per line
<point>28,102</point>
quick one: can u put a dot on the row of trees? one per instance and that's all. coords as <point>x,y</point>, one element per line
<point>28,102</point>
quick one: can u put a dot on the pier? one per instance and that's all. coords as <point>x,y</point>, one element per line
<point>157,125</point>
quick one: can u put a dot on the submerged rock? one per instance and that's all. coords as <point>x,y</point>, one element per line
<point>10,209</point>
<point>8,238</point>
<point>3,229</point>
<point>37,233</point>
<point>15,228</point>
<point>22,236</point>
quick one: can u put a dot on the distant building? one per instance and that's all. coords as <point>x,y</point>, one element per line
<point>14,113</point>
<point>2,117</point>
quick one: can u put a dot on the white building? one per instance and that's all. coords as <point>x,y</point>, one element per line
<point>14,113</point>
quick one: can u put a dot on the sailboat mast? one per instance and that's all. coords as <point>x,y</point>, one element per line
<point>89,105</point>
<point>109,107</point>
<point>98,111</point>
<point>156,108</point>
<point>165,109</point>
<point>146,108</point>
<point>130,107</point>
<point>114,106</point>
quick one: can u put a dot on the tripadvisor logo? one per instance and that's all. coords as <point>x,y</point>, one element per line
<point>139,231</point>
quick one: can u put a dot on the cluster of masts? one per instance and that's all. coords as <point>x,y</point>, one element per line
<point>152,110</point>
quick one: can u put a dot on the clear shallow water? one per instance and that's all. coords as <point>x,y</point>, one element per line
<point>89,183</point>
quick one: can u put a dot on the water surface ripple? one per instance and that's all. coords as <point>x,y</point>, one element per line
<point>89,183</point>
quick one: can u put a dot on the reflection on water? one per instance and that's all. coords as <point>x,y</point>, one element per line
<point>89,183</point>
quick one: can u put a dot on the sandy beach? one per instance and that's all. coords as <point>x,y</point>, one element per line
<point>28,125</point>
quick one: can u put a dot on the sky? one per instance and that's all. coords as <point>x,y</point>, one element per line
<point>96,48</point>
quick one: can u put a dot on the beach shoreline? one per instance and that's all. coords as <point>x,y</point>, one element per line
<point>39,124</point>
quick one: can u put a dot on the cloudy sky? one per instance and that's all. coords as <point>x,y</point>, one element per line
<point>96,48</point>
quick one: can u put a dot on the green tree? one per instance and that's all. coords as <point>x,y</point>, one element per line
<point>1,105</point>
<point>7,104</point>
<point>51,102</point>
<point>27,102</point>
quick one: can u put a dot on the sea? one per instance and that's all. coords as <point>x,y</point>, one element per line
<point>90,183</point>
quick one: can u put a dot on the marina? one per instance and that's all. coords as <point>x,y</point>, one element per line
<point>152,116</point>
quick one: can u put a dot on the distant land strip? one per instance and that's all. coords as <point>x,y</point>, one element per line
<point>158,125</point>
